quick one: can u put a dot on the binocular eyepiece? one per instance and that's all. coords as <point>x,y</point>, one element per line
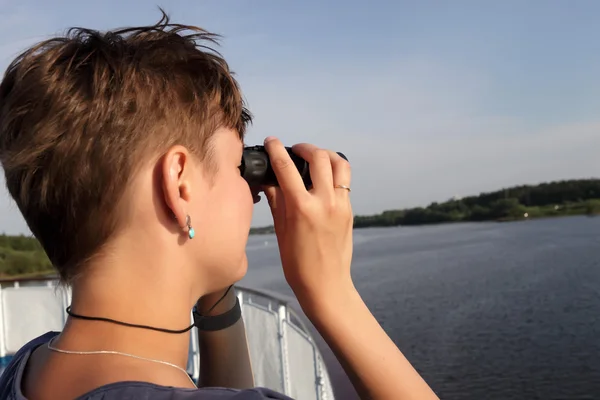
<point>256,167</point>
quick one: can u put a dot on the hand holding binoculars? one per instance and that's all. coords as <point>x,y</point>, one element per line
<point>257,170</point>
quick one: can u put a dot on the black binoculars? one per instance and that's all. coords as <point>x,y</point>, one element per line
<point>256,167</point>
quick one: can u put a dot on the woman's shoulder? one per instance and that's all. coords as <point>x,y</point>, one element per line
<point>10,384</point>
<point>127,390</point>
<point>10,380</point>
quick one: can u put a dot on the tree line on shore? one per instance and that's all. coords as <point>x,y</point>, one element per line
<point>573,197</point>
<point>23,255</point>
<point>560,198</point>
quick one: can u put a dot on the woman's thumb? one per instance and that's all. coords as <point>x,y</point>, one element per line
<point>271,195</point>
<point>276,202</point>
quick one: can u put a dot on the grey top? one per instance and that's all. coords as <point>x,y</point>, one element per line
<point>10,385</point>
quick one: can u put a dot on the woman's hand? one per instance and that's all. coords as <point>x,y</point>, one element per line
<point>313,228</point>
<point>314,232</point>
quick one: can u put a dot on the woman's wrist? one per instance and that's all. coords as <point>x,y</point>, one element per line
<point>206,302</point>
<point>334,301</point>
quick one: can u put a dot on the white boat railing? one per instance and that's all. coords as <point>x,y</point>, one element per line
<point>283,353</point>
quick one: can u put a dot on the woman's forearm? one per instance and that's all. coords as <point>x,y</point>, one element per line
<point>374,364</point>
<point>224,355</point>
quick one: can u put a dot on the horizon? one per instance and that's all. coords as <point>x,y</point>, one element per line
<point>422,205</point>
<point>448,199</point>
<point>427,101</point>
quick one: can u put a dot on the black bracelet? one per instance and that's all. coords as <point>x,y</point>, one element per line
<point>218,322</point>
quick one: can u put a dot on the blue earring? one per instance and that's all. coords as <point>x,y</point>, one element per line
<point>188,222</point>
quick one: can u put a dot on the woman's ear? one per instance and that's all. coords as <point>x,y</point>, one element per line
<point>177,170</point>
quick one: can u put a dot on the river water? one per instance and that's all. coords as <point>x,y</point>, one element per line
<point>483,311</point>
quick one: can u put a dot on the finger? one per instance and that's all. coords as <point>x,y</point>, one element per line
<point>285,170</point>
<point>341,171</point>
<point>255,196</point>
<point>276,202</point>
<point>271,195</point>
<point>319,163</point>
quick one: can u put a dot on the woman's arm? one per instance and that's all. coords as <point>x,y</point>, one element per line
<point>314,234</point>
<point>374,364</point>
<point>224,356</point>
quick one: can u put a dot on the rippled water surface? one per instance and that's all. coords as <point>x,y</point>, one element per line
<point>483,311</point>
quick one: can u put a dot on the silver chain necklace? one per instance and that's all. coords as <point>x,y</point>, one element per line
<point>119,354</point>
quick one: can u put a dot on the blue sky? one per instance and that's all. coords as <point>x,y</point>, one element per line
<point>429,99</point>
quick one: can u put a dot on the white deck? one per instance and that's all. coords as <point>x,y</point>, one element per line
<point>284,356</point>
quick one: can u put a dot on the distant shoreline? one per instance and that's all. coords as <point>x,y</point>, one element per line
<point>23,256</point>
<point>546,200</point>
<point>270,230</point>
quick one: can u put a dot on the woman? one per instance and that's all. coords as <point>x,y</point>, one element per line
<point>122,151</point>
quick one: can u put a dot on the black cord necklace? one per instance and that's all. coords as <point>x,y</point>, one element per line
<point>87,318</point>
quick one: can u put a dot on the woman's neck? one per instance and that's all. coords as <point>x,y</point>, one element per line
<point>140,293</point>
